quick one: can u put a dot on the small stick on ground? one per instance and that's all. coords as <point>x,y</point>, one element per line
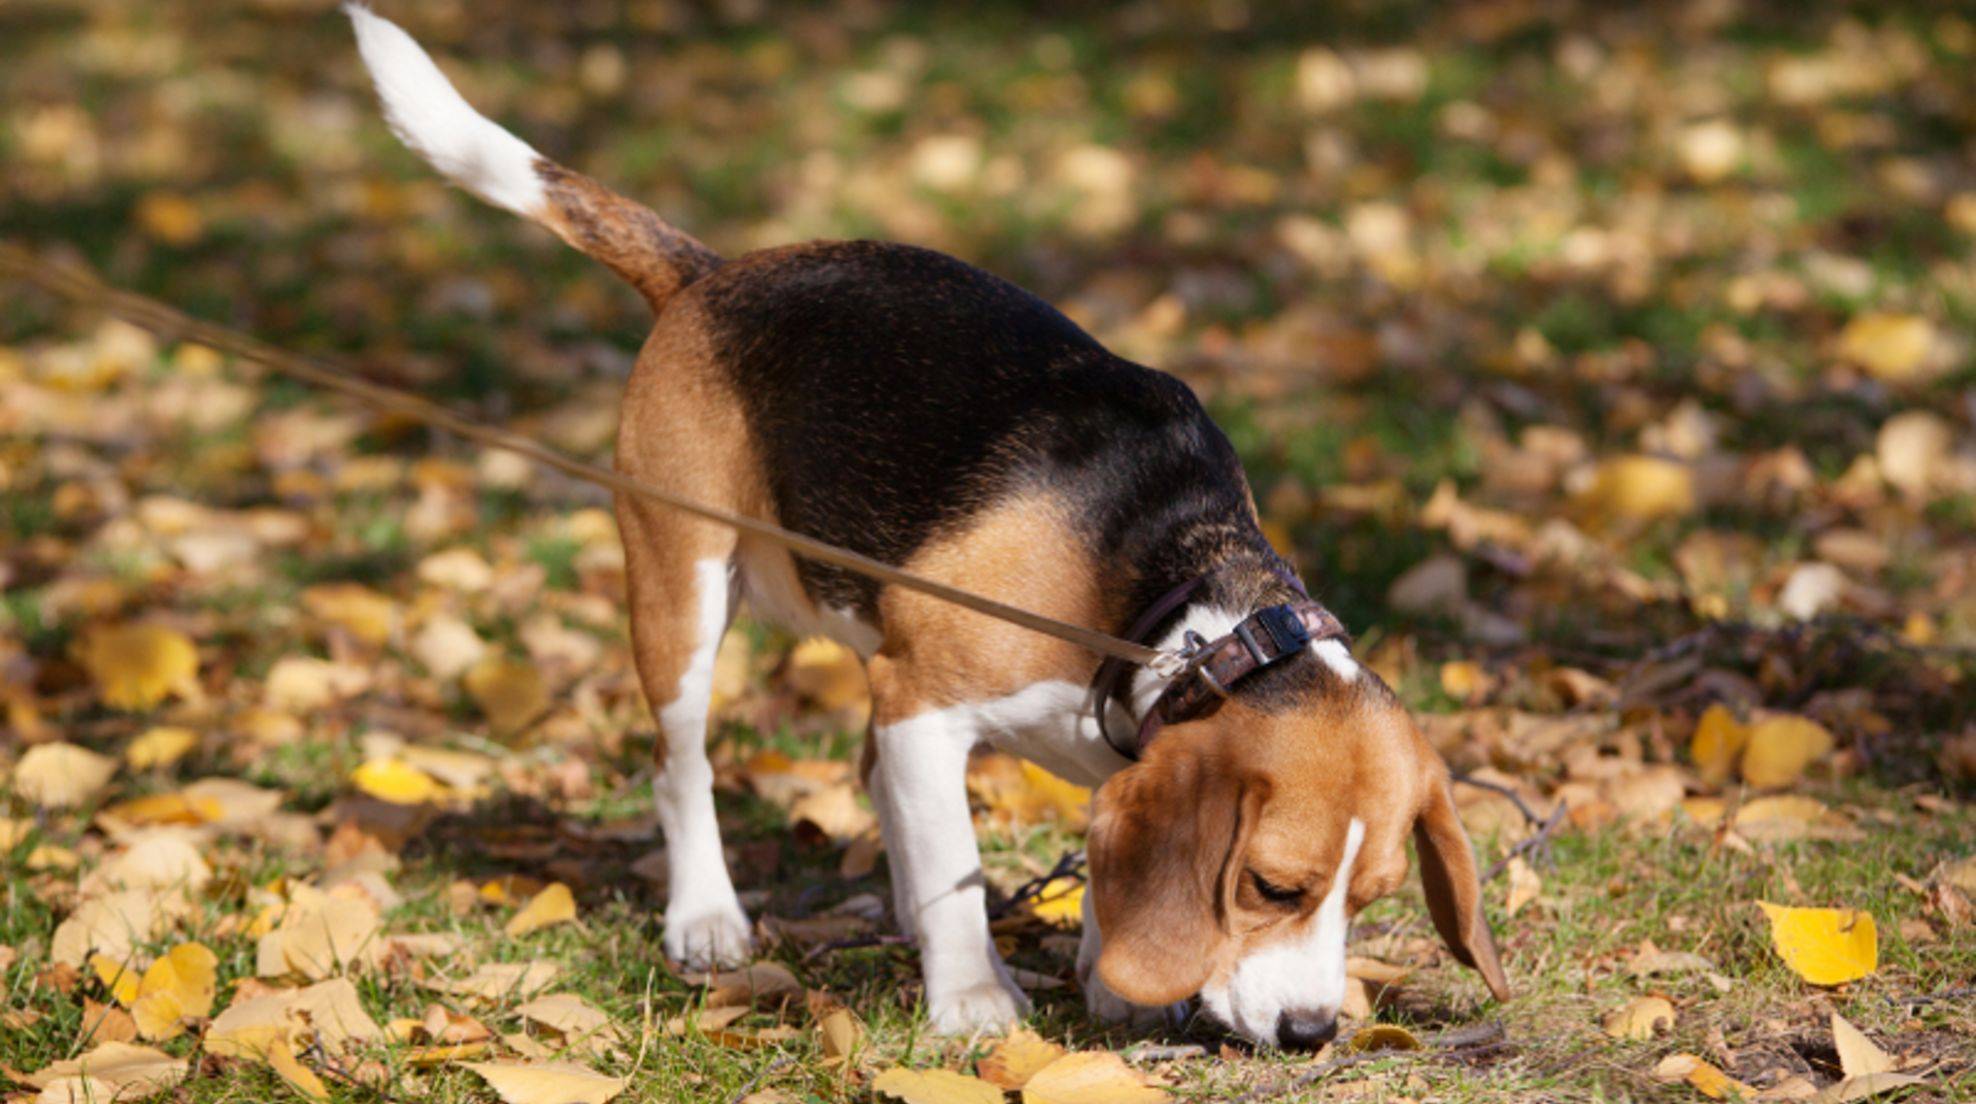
<point>1540,840</point>
<point>1523,807</point>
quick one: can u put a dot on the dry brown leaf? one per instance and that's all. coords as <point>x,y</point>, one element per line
<point>838,1035</point>
<point>500,981</point>
<point>1717,745</point>
<point>1858,1056</point>
<point>1859,1088</point>
<point>828,674</point>
<point>566,1014</point>
<point>553,905</point>
<point>547,1082</point>
<point>1091,1077</point>
<point>935,1086</point>
<point>1705,1078</point>
<point>1524,886</point>
<point>1640,1018</point>
<point>1016,1058</point>
<point>762,983</point>
<point>61,775</point>
<point>160,747</point>
<point>130,1071</point>
<point>1373,1037</point>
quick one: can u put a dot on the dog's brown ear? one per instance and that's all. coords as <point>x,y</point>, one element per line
<point>1163,833</point>
<point>1454,890</point>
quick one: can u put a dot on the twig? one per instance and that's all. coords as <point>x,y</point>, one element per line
<point>853,942</point>
<point>1069,865</point>
<point>764,1074</point>
<point>1540,840</point>
<point>1529,814</point>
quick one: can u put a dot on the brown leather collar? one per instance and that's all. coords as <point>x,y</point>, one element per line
<point>1214,667</point>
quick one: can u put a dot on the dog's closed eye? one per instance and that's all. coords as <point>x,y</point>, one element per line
<point>1276,894</point>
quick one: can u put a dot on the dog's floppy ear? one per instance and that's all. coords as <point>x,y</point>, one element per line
<point>1163,835</point>
<point>1454,891</point>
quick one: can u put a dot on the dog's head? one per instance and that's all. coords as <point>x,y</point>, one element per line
<point>1229,861</point>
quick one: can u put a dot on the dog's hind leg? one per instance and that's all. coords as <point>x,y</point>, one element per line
<point>680,578</point>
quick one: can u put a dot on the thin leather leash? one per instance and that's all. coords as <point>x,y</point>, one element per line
<point>73,284</point>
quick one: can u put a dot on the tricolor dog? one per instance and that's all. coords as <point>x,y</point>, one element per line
<point>905,405</point>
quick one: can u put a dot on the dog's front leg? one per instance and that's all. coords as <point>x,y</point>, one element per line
<point>920,789</point>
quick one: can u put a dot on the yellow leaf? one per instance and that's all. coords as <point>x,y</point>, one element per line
<point>137,666</point>
<point>935,1086</point>
<point>165,808</point>
<point>1061,903</point>
<point>1858,1057</point>
<point>828,674</point>
<point>1892,347</point>
<point>320,935</point>
<point>177,986</point>
<point>1717,744</point>
<point>1780,748</point>
<point>1016,1059</point>
<point>1640,1018</point>
<point>1524,886</point>
<point>1706,1079</point>
<point>566,1014</point>
<point>510,693</point>
<point>547,1082</point>
<point>396,781</point>
<point>61,775</point>
<point>365,614</point>
<point>1463,680</point>
<point>1638,489</point>
<point>554,905</point>
<point>281,1057</point>
<point>500,981</point>
<point>1091,1077</point>
<point>1824,946</point>
<point>1382,1037</point>
<point>169,217</point>
<point>121,983</point>
<point>160,747</point>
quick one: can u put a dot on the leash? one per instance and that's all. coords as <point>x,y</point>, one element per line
<point>70,282</point>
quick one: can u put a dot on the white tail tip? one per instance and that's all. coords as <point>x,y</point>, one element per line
<point>428,114</point>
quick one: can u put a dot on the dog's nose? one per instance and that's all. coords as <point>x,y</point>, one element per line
<point>1305,1030</point>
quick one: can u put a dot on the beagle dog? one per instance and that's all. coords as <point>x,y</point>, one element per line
<point>903,404</point>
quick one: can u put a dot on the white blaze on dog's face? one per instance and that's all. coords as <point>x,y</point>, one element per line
<point>1230,860</point>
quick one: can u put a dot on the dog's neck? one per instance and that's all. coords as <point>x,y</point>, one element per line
<point>1247,576</point>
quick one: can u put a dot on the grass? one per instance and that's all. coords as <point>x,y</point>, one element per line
<point>1229,256</point>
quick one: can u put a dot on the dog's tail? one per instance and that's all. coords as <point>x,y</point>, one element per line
<point>430,116</point>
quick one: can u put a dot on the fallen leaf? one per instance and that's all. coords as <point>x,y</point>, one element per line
<point>160,747</point>
<point>1524,886</point>
<point>1892,347</point>
<point>1641,1018</point>
<point>138,666</point>
<point>365,614</point>
<point>762,983</point>
<point>500,981</point>
<point>61,775</point>
<point>396,781</point>
<point>1859,1088</point>
<point>1717,744</point>
<point>1060,903</point>
<point>1705,1078</point>
<point>1780,748</point>
<point>828,674</point>
<point>510,693</point>
<point>130,1071</point>
<point>547,1082</point>
<point>935,1086</point>
<point>1091,1077</point>
<point>1382,1037</point>
<point>281,1058</point>
<point>1824,946</point>
<point>178,986</point>
<point>566,1014</point>
<point>1638,489</point>
<point>838,1035</point>
<point>1016,1058</point>
<point>1858,1056</point>
<point>554,905</point>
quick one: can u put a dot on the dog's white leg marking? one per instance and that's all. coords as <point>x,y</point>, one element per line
<point>878,786</point>
<point>1301,974</point>
<point>705,926</point>
<point>930,838</point>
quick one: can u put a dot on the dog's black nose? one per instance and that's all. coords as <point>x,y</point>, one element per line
<point>1305,1030</point>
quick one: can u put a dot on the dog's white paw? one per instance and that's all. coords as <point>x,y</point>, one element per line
<point>709,937</point>
<point>1108,1007</point>
<point>987,1006</point>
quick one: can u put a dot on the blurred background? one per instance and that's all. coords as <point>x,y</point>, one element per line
<point>1607,368</point>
